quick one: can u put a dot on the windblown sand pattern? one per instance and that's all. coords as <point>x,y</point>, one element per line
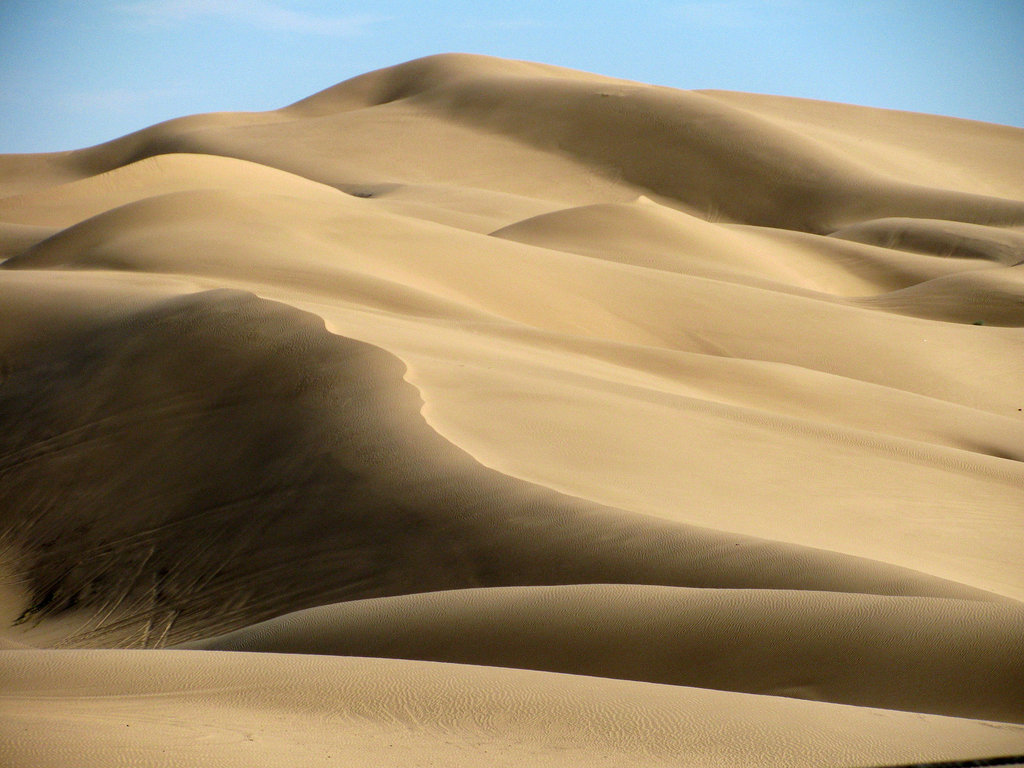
<point>479,412</point>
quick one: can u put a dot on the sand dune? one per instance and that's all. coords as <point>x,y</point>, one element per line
<point>153,176</point>
<point>920,654</point>
<point>654,410</point>
<point>236,405</point>
<point>951,239</point>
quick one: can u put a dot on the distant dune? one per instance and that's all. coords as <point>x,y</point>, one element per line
<point>482,412</point>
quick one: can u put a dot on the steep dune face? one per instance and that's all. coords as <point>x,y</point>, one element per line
<point>490,362</point>
<point>217,459</point>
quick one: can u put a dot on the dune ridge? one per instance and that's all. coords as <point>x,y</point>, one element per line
<point>492,411</point>
<point>867,650</point>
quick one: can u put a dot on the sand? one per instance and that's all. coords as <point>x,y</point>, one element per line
<point>481,412</point>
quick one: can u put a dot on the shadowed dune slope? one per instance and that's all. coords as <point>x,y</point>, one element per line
<point>219,459</point>
<point>949,239</point>
<point>685,404</point>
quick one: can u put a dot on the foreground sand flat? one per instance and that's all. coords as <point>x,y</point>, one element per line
<point>184,708</point>
<point>494,413</point>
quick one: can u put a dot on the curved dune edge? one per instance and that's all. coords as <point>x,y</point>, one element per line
<point>918,654</point>
<point>226,709</point>
<point>301,462</point>
<point>76,201</point>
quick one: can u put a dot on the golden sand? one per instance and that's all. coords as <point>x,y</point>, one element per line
<point>481,412</point>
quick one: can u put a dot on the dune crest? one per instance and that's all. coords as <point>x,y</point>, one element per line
<point>487,408</point>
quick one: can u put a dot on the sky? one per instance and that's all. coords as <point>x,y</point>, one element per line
<point>74,73</point>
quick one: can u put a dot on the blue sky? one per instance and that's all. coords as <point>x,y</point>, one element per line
<point>78,72</point>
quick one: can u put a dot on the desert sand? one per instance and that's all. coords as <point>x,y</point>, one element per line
<point>482,412</point>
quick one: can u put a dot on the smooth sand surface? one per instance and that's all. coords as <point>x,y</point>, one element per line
<point>484,412</point>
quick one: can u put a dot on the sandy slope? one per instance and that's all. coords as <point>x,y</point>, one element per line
<point>179,708</point>
<point>918,654</point>
<point>503,364</point>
